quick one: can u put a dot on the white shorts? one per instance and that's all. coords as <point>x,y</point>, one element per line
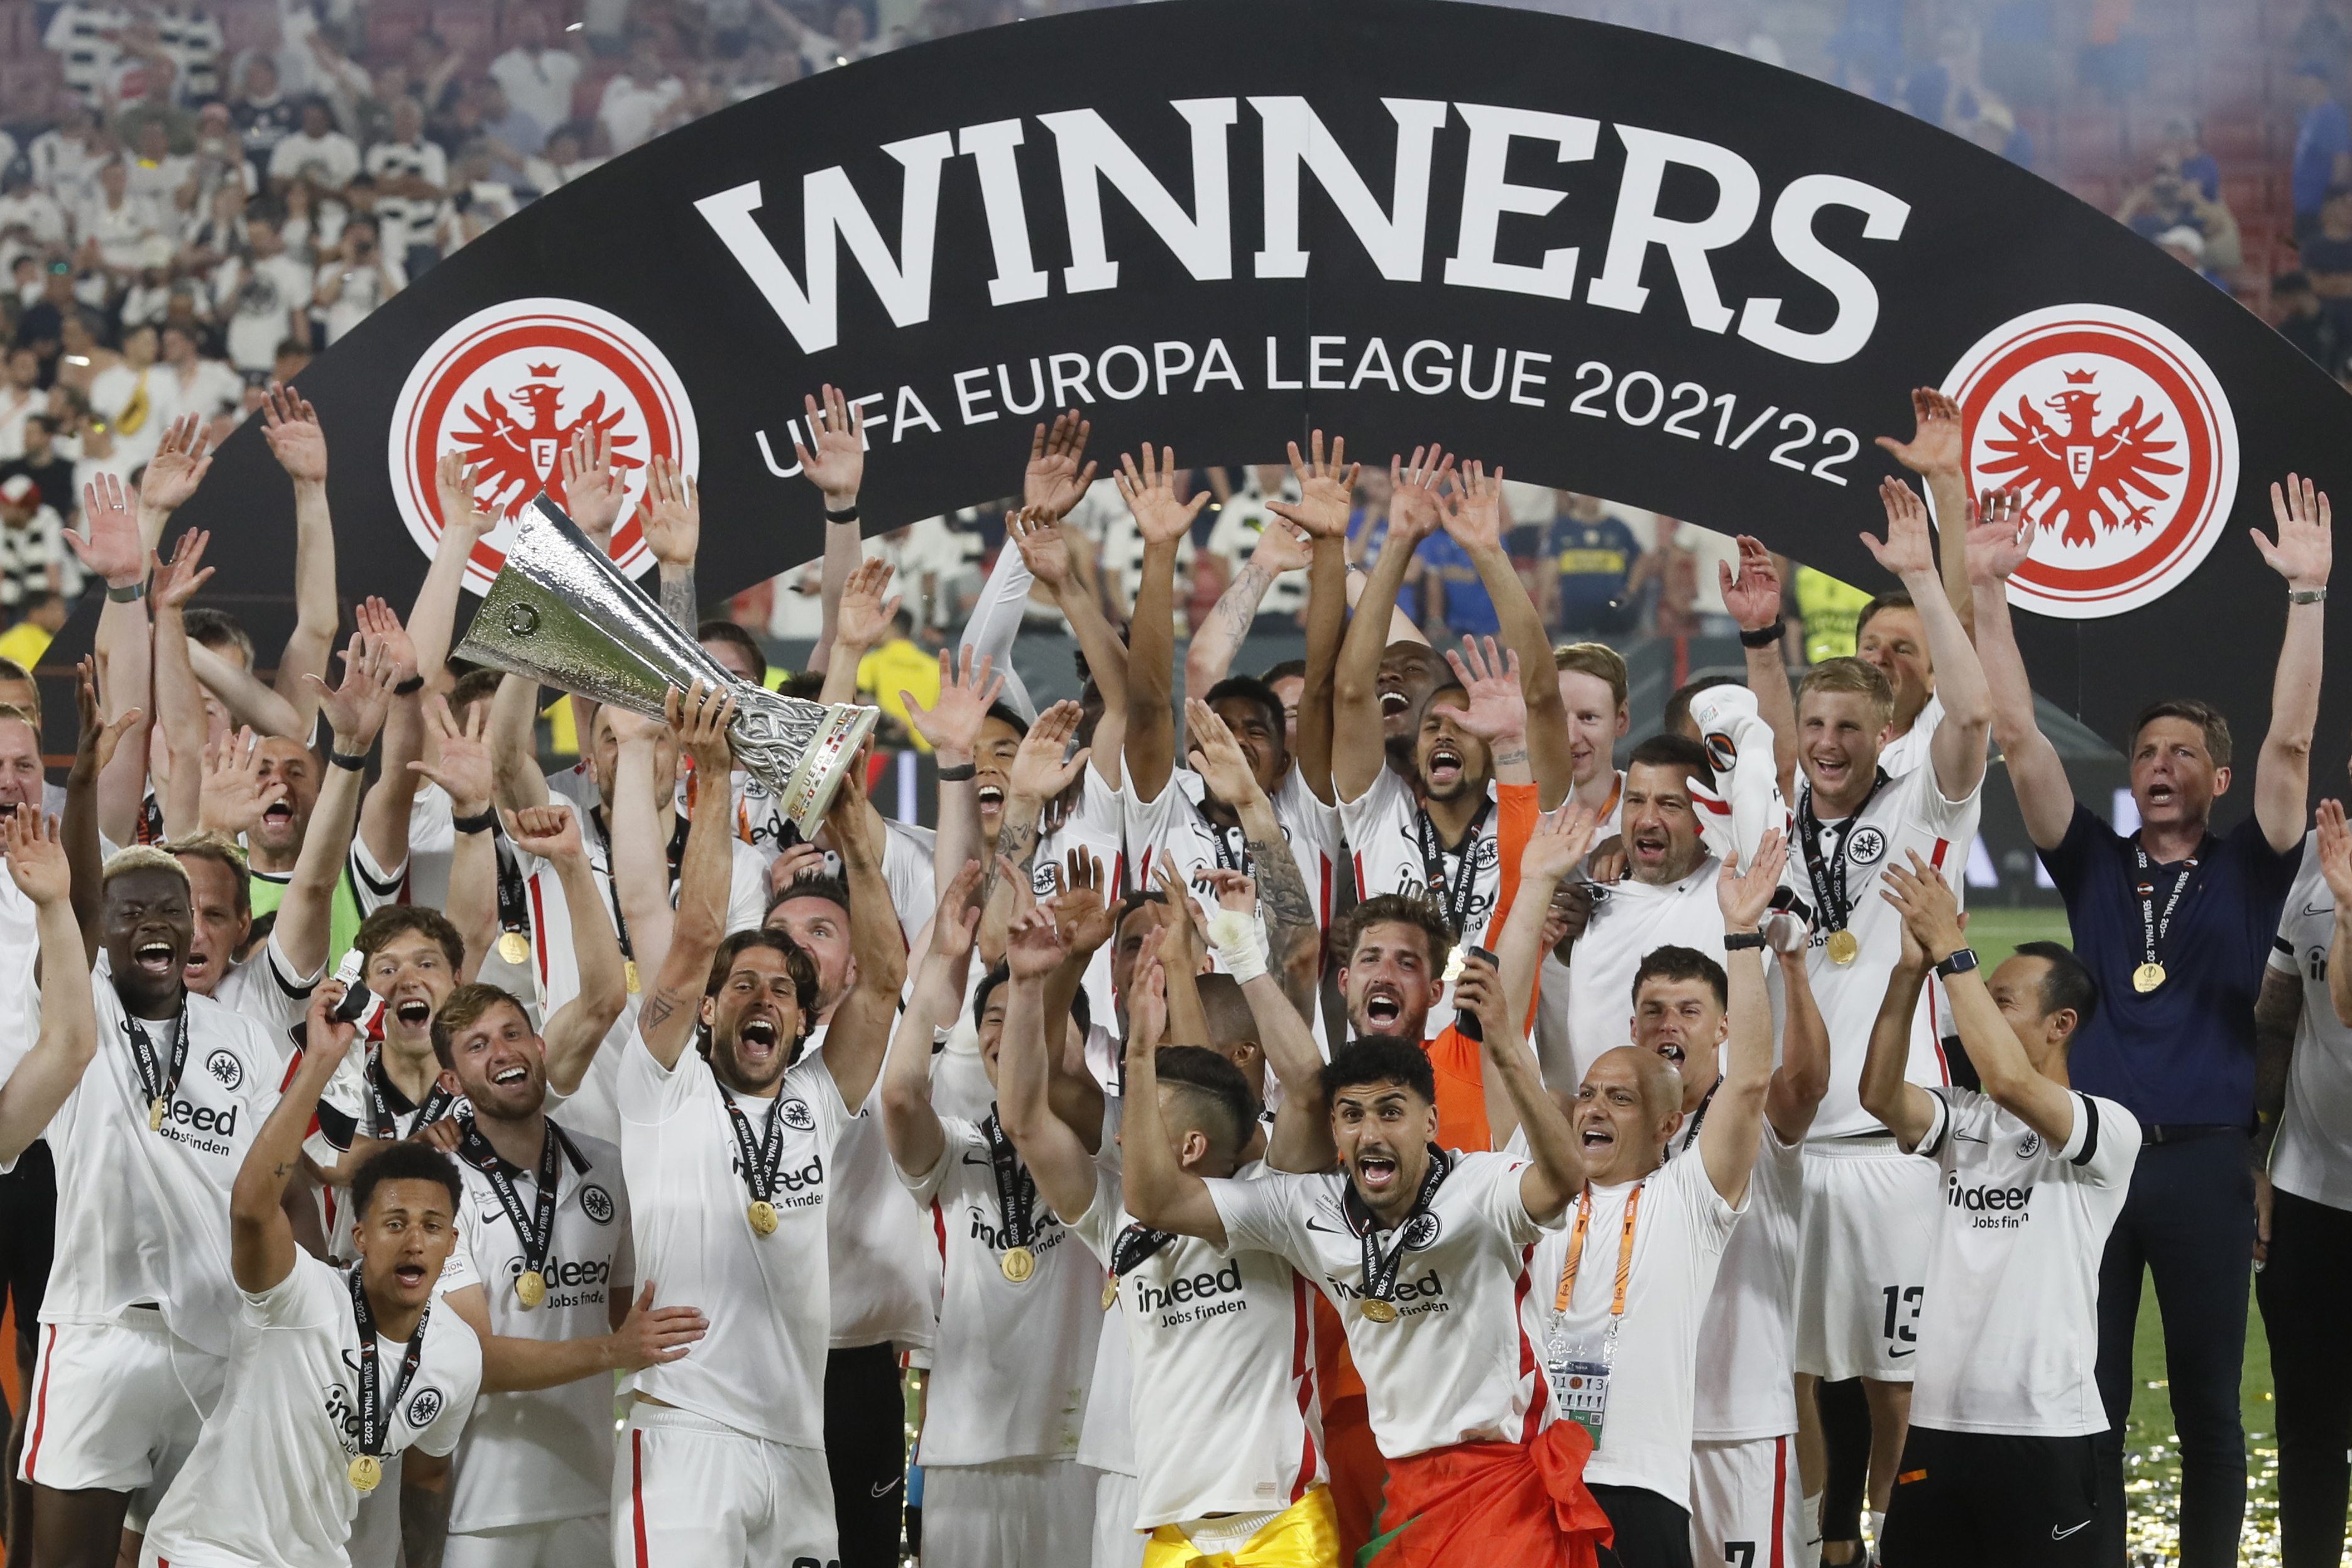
<point>117,1408</point>
<point>1033,1513</point>
<point>1746,1503</point>
<point>1862,1268</point>
<point>1118,1544</point>
<point>552,1544</point>
<point>691,1492</point>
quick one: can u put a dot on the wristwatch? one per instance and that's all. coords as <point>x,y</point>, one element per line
<point>1735,941</point>
<point>1959,962</point>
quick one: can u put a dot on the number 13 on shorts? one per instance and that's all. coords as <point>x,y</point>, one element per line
<point>1902,1327</point>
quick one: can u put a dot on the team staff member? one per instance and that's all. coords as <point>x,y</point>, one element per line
<point>722,1460</point>
<point>2175,922</point>
<point>333,1371</point>
<point>1998,1467</point>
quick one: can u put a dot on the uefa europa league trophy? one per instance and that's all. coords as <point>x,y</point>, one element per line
<point>561,612</point>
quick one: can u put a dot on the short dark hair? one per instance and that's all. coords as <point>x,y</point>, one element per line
<point>1380,1059</point>
<point>1012,715</point>
<point>2205,715</point>
<point>473,686</point>
<point>2067,983</point>
<point>1673,963</point>
<point>1894,599</point>
<point>1250,689</point>
<point>1678,706</point>
<point>404,1161</point>
<point>213,628</point>
<point>797,963</point>
<point>832,888</point>
<point>1000,972</point>
<point>808,686</point>
<point>1393,909</point>
<point>1285,671</point>
<point>1224,1008</point>
<point>1670,750</point>
<point>464,1007</point>
<point>399,919</point>
<point>1133,902</point>
<point>717,630</point>
<point>1213,1091</point>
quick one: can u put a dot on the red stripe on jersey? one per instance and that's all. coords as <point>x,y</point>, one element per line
<point>1302,1379</point>
<point>1936,859</point>
<point>1780,1498</point>
<point>1715,803</point>
<point>939,1230</point>
<point>41,1407</point>
<point>293,1066</point>
<point>1323,904</point>
<point>1527,1360</point>
<point>539,928</point>
<point>637,1494</point>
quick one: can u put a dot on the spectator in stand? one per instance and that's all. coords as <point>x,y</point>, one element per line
<point>266,295</point>
<point>263,116</point>
<point>514,136</point>
<point>65,160</point>
<point>2323,145</point>
<point>2327,255</point>
<point>538,76</point>
<point>2171,200</point>
<point>44,617</point>
<point>2306,323</point>
<point>114,225</point>
<point>32,543</point>
<point>762,70</point>
<point>352,283</point>
<point>901,666</point>
<point>637,99</point>
<point>43,461</point>
<point>20,400</point>
<point>1455,597</point>
<point>2186,246</point>
<point>191,383</point>
<point>478,199</point>
<point>29,215</point>
<point>1586,570</point>
<point>157,105</point>
<point>412,176</point>
<point>561,163</point>
<point>163,180</point>
<point>129,397</point>
<point>846,42</point>
<point>2184,143</point>
<point>319,153</point>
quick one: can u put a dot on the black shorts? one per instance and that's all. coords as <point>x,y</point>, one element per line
<point>28,1229</point>
<point>1973,1498</point>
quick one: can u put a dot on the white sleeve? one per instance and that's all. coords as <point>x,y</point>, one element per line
<point>1099,1226</point>
<point>747,889</point>
<point>440,1436</point>
<point>309,1297</point>
<point>2105,1141</point>
<point>995,620</point>
<point>1266,1216</point>
<point>961,1139</point>
<point>1494,1179</point>
<point>649,1096</point>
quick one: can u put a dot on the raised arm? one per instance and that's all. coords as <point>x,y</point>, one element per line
<point>836,468</point>
<point>1997,544</point>
<point>1182,942</point>
<point>1727,1142</point>
<point>178,699</point>
<point>1326,495</point>
<point>910,1125</point>
<point>673,530</point>
<point>355,710</point>
<point>1209,657</point>
<point>1302,1126</point>
<point>514,744</point>
<point>951,725</point>
<point>1957,749</point>
<point>1359,740</point>
<point>1753,599</point>
<point>1164,521</point>
<point>261,1237</point>
<point>638,850</point>
<point>860,1031</point>
<point>291,427</point>
<point>860,621</point>
<point>1803,1076</point>
<point>1046,550</point>
<point>1935,453</point>
<point>2301,554</point>
<point>1555,1171</point>
<point>92,751</point>
<point>1472,514</point>
<point>579,1025</point>
<point>114,548</point>
<point>1295,939</point>
<point>672,1003</point>
<point>1064,1169</point>
<point>461,766</point>
<point>68,1043</point>
<point>385,808</point>
<point>1159,1192</point>
<point>433,618</point>
<point>1907,1109</point>
<point>1553,849</point>
<point>1039,773</point>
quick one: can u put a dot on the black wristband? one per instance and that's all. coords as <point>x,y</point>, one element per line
<point>958,772</point>
<point>1736,941</point>
<point>409,687</point>
<point>847,514</point>
<point>475,825</point>
<point>130,593</point>
<point>345,759</point>
<point>1958,961</point>
<point>1765,636</point>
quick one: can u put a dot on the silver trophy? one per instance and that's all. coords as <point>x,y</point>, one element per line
<point>561,612</point>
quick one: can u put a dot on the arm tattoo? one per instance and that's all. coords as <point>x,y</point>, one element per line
<point>1511,759</point>
<point>1238,604</point>
<point>1279,885</point>
<point>423,1525</point>
<point>1016,840</point>
<point>678,601</point>
<point>656,1010</point>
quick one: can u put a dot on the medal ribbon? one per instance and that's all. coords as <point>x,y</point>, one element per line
<point>1135,1245</point>
<point>612,884</point>
<point>1832,902</point>
<point>2152,926</point>
<point>158,1079</point>
<point>1016,1189</point>
<point>1381,1272</point>
<point>437,1101</point>
<point>1576,1253</point>
<point>760,1161</point>
<point>536,1226</point>
<point>374,1424</point>
<point>1457,894</point>
<point>514,907</point>
<point>1698,1120</point>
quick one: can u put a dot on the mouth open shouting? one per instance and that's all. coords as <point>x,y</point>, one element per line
<point>1383,1007</point>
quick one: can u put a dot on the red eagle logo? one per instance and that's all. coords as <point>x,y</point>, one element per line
<point>2087,477</point>
<point>518,458</point>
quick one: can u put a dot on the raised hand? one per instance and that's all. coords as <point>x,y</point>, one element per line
<point>1217,756</point>
<point>1038,537</point>
<point>177,580</point>
<point>178,466</point>
<point>112,547</point>
<point>1281,547</point>
<point>1033,945</point>
<point>234,795</point>
<point>700,717</point>
<point>550,832</point>
<point>1753,598</point>
<point>1909,547</point>
<point>2304,547</point>
<point>1414,489</point>
<point>792,863</point>
<point>1935,444</point>
<point>37,860</point>
<point>1039,771</point>
<point>1558,842</point>
<point>958,918</point>
<point>952,724</point>
<point>1326,491</point>
<point>383,630</point>
<point>291,427</point>
<point>838,467</point>
<point>94,748</point>
<point>355,709</point>
<point>1151,492</point>
<point>1931,915</point>
<point>1472,509</point>
<point>863,618</point>
<point>673,514</point>
<point>1082,910</point>
<point>1498,708</point>
<point>2000,536</point>
<point>2335,852</point>
<point>454,482</point>
<point>593,487</point>
<point>463,767</point>
<point>1745,896</point>
<point>1183,936</point>
<point>1053,481</point>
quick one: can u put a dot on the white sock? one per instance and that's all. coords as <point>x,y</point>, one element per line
<point>1812,1518</point>
<point>1877,1527</point>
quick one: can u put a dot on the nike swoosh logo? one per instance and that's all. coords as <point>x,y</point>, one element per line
<point>1967,1139</point>
<point>973,1159</point>
<point>884,1489</point>
<point>1326,1229</point>
<point>2309,910</point>
<point>2058,1534</point>
<point>1899,1354</point>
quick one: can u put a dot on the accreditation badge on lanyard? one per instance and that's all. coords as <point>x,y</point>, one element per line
<point>1580,1367</point>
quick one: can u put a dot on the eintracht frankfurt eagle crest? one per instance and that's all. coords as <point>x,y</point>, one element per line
<point>2120,440</point>
<point>508,388</point>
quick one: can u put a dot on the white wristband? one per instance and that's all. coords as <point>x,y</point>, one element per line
<point>1240,944</point>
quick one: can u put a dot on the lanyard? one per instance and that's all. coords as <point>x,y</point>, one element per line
<point>1458,893</point>
<point>374,1424</point>
<point>154,1077</point>
<point>1576,1253</point>
<point>1698,1120</point>
<point>1381,1272</point>
<point>1832,901</point>
<point>385,1122</point>
<point>1016,1189</point>
<point>536,1226</point>
<point>760,1161</point>
<point>514,907</point>
<point>613,884</point>
<point>1228,857</point>
<point>1134,1246</point>
<point>2152,926</point>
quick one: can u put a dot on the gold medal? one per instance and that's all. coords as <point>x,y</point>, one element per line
<point>514,946</point>
<point>366,1472</point>
<point>530,1288</point>
<point>1844,948</point>
<point>1454,964</point>
<point>1111,1293</point>
<point>1019,1264</point>
<point>1379,1311</point>
<point>2146,977</point>
<point>763,1217</point>
<point>629,975</point>
<point>155,1106</point>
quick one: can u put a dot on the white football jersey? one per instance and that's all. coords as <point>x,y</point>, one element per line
<point>2009,1333</point>
<point>1381,828</point>
<point>2312,1155</point>
<point>1097,824</point>
<point>1587,1004</point>
<point>266,990</point>
<point>1909,749</point>
<point>884,1266</point>
<point>1458,1364</point>
<point>1748,1339</point>
<point>1173,827</point>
